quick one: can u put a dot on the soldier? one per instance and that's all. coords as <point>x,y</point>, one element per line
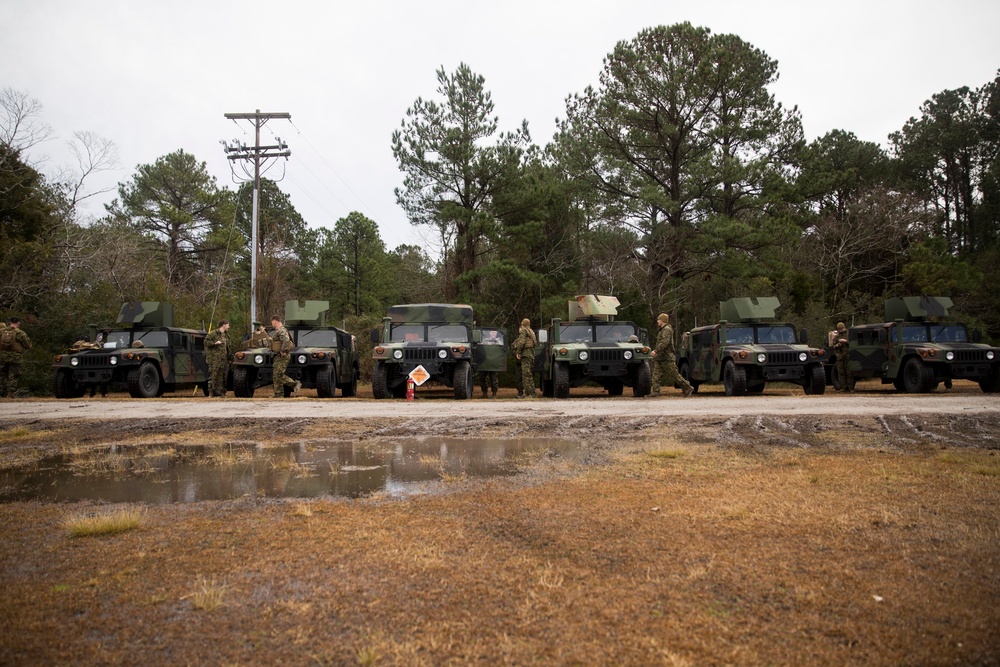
<point>840,345</point>
<point>217,350</point>
<point>281,346</point>
<point>13,343</point>
<point>664,364</point>
<point>490,379</point>
<point>524,350</point>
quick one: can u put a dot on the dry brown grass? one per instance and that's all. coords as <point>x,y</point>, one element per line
<point>742,542</point>
<point>109,522</point>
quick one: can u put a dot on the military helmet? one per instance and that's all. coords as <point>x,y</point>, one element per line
<point>841,326</point>
<point>526,322</point>
<point>663,317</point>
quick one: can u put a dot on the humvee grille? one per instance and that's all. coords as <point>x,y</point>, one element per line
<point>605,356</point>
<point>420,354</point>
<point>782,357</point>
<point>94,360</point>
<point>970,355</point>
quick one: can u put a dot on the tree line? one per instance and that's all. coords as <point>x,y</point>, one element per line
<point>676,182</point>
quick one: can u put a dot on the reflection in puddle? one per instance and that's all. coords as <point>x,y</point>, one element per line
<point>181,474</point>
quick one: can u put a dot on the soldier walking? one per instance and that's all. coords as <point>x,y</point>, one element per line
<point>13,343</point>
<point>664,363</point>
<point>281,346</point>
<point>217,350</point>
<point>524,350</point>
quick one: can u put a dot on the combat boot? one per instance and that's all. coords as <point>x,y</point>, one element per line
<point>296,389</point>
<point>687,391</point>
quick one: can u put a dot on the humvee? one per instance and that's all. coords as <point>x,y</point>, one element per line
<point>591,346</point>
<point>440,337</point>
<point>915,350</point>
<point>150,357</point>
<point>323,357</point>
<point>747,349</point>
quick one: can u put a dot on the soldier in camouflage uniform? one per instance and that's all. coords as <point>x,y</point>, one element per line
<point>217,350</point>
<point>524,350</point>
<point>840,346</point>
<point>13,343</point>
<point>281,346</point>
<point>664,363</point>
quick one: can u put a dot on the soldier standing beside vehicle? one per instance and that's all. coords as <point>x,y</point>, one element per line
<point>841,347</point>
<point>664,363</point>
<point>524,350</point>
<point>217,349</point>
<point>281,346</point>
<point>13,343</point>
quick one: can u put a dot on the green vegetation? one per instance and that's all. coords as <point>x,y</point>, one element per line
<point>676,182</point>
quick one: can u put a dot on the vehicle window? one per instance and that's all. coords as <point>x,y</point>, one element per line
<point>739,335</point>
<point>315,338</point>
<point>781,334</point>
<point>575,333</point>
<point>152,338</point>
<point>949,333</point>
<point>447,333</point>
<point>915,333</point>
<point>407,333</point>
<point>493,337</point>
<point>116,340</point>
<point>614,333</point>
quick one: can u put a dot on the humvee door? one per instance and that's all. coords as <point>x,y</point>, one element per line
<point>491,352</point>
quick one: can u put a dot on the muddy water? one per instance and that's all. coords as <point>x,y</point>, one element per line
<point>185,473</point>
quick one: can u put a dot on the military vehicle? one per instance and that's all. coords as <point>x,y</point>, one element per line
<point>148,358</point>
<point>443,339</point>
<point>323,357</point>
<point>747,349</point>
<point>591,346</point>
<point>916,350</point>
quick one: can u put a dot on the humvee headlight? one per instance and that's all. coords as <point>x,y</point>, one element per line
<point>442,354</point>
<point>803,356</point>
<point>397,354</point>
<point>627,355</point>
<point>950,356</point>
<point>761,357</point>
<point>584,355</point>
<point>74,362</point>
<point>989,355</point>
<point>258,358</point>
<point>113,361</point>
<point>302,359</point>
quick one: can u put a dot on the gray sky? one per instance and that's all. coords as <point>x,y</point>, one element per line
<point>155,77</point>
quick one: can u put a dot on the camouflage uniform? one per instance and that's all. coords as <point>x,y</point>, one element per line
<point>281,346</point>
<point>524,347</point>
<point>10,359</point>
<point>489,380</point>
<point>664,362</point>
<point>217,351</point>
<point>841,347</point>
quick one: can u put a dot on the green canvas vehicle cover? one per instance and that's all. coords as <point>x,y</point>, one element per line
<point>147,313</point>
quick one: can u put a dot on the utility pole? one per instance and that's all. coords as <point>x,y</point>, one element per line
<point>258,155</point>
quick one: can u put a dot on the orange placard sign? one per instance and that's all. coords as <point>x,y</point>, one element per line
<point>419,375</point>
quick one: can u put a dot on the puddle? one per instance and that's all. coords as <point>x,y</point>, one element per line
<point>182,474</point>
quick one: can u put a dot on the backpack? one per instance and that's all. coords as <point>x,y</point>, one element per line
<point>7,338</point>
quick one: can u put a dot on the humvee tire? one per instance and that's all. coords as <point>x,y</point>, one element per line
<point>735,380</point>
<point>917,378</point>
<point>643,381</point>
<point>326,382</point>
<point>144,382</point>
<point>63,385</point>
<point>560,379</point>
<point>242,382</point>
<point>462,380</point>
<point>379,386</point>
<point>816,384</point>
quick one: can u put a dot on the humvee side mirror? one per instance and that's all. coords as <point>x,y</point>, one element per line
<point>543,336</point>
<point>373,336</point>
<point>977,335</point>
<point>883,336</point>
<point>803,336</point>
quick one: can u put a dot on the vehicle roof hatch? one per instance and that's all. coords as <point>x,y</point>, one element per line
<point>744,308</point>
<point>306,313</point>
<point>593,306</point>
<point>147,314</point>
<point>916,307</point>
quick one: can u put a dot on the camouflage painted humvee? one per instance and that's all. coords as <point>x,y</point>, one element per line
<point>440,337</point>
<point>916,351</point>
<point>747,349</point>
<point>594,347</point>
<point>149,358</point>
<point>323,357</point>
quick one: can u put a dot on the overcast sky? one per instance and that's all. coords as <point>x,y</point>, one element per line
<point>155,77</point>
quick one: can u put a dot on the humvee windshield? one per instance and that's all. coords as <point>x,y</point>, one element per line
<point>614,332</point>
<point>575,333</point>
<point>763,335</point>
<point>949,333</point>
<point>316,338</point>
<point>912,333</point>
<point>118,340</point>
<point>601,332</point>
<point>431,333</point>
